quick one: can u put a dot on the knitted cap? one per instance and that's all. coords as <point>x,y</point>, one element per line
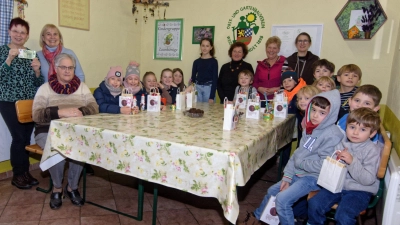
<point>132,70</point>
<point>114,71</point>
<point>289,74</point>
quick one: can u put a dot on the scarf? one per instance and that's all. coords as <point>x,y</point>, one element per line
<point>50,58</point>
<point>310,127</point>
<point>66,89</point>
<point>131,89</point>
<point>113,91</point>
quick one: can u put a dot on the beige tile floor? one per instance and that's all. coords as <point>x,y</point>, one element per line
<point>29,207</point>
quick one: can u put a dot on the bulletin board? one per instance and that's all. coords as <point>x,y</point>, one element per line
<point>74,14</point>
<point>288,34</point>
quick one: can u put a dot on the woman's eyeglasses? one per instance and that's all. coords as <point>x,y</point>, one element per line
<point>66,67</point>
<point>303,41</point>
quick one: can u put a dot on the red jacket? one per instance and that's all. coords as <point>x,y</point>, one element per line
<point>268,77</point>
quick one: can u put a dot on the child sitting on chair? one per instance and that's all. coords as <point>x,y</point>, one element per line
<point>320,137</point>
<point>362,157</point>
<point>108,92</point>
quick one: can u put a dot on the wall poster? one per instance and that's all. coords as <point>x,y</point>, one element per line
<point>288,34</point>
<point>74,14</point>
<point>168,39</point>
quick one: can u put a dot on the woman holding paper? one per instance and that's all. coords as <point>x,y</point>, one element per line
<point>63,96</point>
<point>19,79</point>
<point>52,44</point>
<point>267,79</point>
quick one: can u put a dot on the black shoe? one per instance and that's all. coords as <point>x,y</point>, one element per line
<point>89,169</point>
<point>31,180</point>
<point>74,196</point>
<point>20,182</point>
<point>56,200</point>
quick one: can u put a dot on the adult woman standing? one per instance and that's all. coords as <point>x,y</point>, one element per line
<point>19,79</point>
<point>267,78</point>
<point>228,75</point>
<point>52,44</point>
<point>302,60</point>
<point>62,97</point>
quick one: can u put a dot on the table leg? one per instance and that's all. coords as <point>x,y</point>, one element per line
<point>139,215</point>
<point>155,198</point>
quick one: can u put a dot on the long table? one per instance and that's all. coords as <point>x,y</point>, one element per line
<point>168,148</point>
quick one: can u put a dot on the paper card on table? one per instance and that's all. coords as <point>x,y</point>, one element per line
<point>253,108</point>
<point>191,98</point>
<point>231,117</point>
<point>241,98</point>
<point>126,98</point>
<point>180,100</point>
<point>154,100</point>
<point>280,105</point>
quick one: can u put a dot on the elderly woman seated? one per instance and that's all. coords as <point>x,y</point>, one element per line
<point>62,97</point>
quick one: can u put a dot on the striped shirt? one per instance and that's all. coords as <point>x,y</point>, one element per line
<point>344,99</point>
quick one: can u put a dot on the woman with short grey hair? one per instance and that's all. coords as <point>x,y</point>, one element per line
<point>62,97</point>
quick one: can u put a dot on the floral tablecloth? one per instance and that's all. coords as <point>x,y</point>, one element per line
<point>169,148</point>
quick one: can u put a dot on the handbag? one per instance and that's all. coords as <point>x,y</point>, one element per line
<point>154,100</point>
<point>280,105</point>
<point>180,99</point>
<point>241,97</point>
<point>191,98</point>
<point>253,107</point>
<point>332,175</point>
<point>269,214</point>
<point>231,117</point>
<point>125,99</point>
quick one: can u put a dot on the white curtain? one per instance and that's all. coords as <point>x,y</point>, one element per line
<point>6,13</point>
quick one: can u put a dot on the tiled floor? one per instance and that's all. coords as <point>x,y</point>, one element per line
<point>116,191</point>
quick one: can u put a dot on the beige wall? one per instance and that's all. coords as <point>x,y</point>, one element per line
<point>394,93</point>
<point>374,57</point>
<point>114,38</point>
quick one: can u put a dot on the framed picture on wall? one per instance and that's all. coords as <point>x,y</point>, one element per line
<point>201,32</point>
<point>168,39</point>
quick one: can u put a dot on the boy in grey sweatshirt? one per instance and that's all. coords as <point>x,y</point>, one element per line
<point>301,173</point>
<point>361,156</point>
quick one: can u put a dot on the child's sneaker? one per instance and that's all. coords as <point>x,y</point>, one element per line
<point>250,219</point>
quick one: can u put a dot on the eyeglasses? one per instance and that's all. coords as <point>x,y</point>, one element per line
<point>66,67</point>
<point>20,33</point>
<point>303,41</point>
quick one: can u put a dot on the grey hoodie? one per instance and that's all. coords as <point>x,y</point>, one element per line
<point>308,161</point>
<point>361,175</point>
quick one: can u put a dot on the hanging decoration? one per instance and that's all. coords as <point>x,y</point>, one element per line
<point>21,7</point>
<point>149,6</point>
<point>360,19</point>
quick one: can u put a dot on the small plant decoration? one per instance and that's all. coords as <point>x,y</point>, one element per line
<point>369,18</point>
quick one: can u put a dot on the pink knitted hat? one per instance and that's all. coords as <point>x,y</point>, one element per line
<point>115,71</point>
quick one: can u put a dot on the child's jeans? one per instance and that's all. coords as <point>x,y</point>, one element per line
<point>203,92</point>
<point>299,187</point>
<point>351,203</point>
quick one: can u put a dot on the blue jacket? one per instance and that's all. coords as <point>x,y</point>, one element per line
<point>107,102</point>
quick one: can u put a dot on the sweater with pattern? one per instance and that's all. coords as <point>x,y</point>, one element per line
<point>47,103</point>
<point>17,81</point>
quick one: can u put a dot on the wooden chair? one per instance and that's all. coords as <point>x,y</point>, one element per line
<point>24,114</point>
<point>380,174</point>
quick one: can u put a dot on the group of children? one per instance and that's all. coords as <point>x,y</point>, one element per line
<point>204,76</point>
<point>333,117</point>
<point>109,90</point>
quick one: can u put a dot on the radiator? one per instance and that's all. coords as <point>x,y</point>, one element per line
<point>391,195</point>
